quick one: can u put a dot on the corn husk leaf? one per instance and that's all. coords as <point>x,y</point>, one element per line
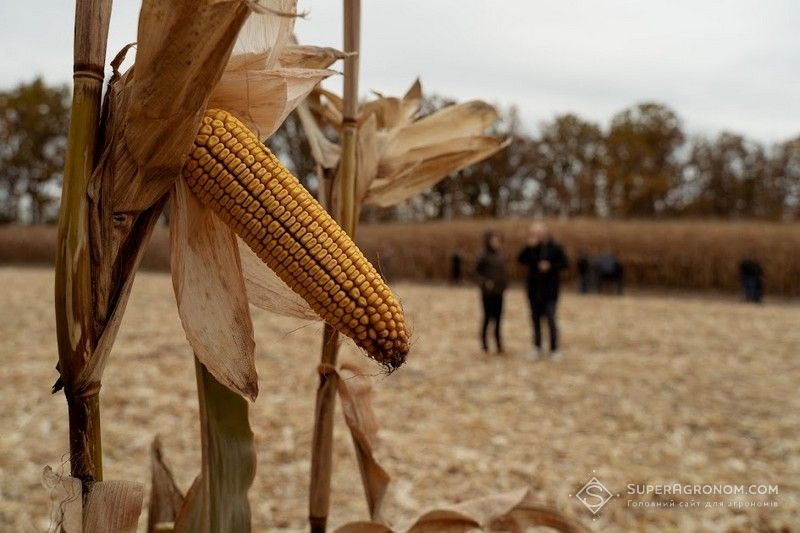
<point>508,511</point>
<point>66,500</point>
<point>113,506</point>
<point>210,292</point>
<point>354,392</point>
<point>217,500</point>
<point>419,169</point>
<point>452,122</point>
<point>267,291</point>
<point>270,29</point>
<point>368,154</point>
<point>393,113</point>
<point>400,157</point>
<point>324,152</point>
<point>263,99</point>
<point>266,77</point>
<point>166,499</point>
<point>161,100</point>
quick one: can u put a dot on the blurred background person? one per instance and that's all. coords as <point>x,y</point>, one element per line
<point>751,275</point>
<point>456,264</point>
<point>545,259</point>
<point>490,271</point>
<point>584,272</point>
<point>608,269</point>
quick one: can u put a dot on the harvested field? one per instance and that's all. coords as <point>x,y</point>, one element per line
<point>652,390</point>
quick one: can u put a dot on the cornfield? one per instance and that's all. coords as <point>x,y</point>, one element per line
<point>673,255</point>
<point>676,255</point>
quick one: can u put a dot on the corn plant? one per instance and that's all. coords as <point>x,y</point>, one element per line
<point>125,165</point>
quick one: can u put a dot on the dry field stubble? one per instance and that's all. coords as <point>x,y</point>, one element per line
<point>652,390</point>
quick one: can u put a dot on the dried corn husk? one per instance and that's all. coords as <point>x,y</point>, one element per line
<point>399,157</point>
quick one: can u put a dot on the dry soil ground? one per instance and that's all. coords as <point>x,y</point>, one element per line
<point>656,390</point>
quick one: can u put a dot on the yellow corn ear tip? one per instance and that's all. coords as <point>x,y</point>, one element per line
<point>234,174</point>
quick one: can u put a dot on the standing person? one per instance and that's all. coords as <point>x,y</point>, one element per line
<point>455,267</point>
<point>490,270</point>
<point>751,275</point>
<point>545,260</point>
<point>583,272</point>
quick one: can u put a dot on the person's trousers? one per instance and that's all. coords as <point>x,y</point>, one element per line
<point>492,312</point>
<point>547,310</point>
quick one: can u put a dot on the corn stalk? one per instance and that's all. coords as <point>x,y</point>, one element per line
<point>74,296</point>
<point>322,443</point>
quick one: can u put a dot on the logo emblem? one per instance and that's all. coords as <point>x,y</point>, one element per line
<point>594,495</point>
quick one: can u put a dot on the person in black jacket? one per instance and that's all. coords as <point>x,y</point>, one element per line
<point>545,260</point>
<point>490,271</point>
<point>751,275</point>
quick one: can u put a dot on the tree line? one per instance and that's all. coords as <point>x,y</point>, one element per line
<point>642,164</point>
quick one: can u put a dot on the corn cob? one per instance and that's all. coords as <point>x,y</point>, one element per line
<point>235,175</point>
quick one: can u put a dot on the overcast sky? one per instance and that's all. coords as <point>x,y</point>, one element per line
<point>730,64</point>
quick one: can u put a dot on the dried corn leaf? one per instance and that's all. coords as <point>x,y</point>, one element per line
<point>391,167</point>
<point>425,173</point>
<point>393,113</point>
<point>368,154</point>
<point>113,506</point>
<point>190,517</point>
<point>66,500</point>
<point>452,122</point>
<point>306,56</point>
<point>267,291</point>
<point>164,95</point>
<point>268,30</point>
<point>166,499</point>
<point>354,392</point>
<point>210,292</point>
<point>508,511</point>
<point>324,152</point>
<point>264,98</point>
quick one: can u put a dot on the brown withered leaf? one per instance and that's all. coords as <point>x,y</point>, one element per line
<point>210,292</point>
<point>354,392</point>
<point>66,500</point>
<point>426,172</point>
<point>452,122</point>
<point>161,100</point>
<point>166,499</point>
<point>113,506</point>
<point>269,29</point>
<point>508,511</point>
<point>324,152</point>
<point>368,154</point>
<point>263,99</point>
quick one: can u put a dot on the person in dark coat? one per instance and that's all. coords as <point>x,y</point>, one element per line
<point>584,272</point>
<point>490,271</point>
<point>545,260</point>
<point>455,267</point>
<point>751,275</point>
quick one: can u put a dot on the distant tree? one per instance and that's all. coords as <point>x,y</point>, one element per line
<point>785,174</point>
<point>728,177</point>
<point>568,161</point>
<point>34,119</point>
<point>642,166</point>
